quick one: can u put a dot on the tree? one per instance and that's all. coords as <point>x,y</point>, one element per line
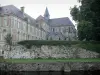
<point>85,30</point>
<point>87,17</point>
<point>95,8</point>
<point>75,13</point>
<point>8,40</point>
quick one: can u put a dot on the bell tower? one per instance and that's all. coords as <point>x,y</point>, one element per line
<point>46,14</point>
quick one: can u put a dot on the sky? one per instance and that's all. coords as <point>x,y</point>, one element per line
<point>34,8</point>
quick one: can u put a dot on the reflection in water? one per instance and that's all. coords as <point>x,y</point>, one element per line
<point>49,72</point>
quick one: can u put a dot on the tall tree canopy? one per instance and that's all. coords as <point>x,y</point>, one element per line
<point>87,17</point>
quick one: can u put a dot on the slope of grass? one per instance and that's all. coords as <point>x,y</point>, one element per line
<point>54,42</point>
<point>91,47</point>
<point>50,60</point>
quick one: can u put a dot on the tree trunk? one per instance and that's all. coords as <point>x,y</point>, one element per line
<point>10,48</point>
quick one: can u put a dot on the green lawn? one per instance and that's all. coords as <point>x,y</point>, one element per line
<point>91,47</point>
<point>50,60</point>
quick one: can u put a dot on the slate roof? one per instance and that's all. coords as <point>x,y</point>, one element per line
<point>60,21</point>
<point>11,9</point>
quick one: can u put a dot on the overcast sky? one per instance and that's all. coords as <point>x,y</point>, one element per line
<point>57,8</point>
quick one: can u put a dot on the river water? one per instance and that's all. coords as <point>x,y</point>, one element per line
<point>96,72</point>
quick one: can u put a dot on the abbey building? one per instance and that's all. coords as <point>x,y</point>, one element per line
<point>24,27</point>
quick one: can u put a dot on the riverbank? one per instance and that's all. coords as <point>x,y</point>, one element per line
<point>44,66</point>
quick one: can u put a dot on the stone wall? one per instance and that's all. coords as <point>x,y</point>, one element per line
<point>50,66</point>
<point>46,51</point>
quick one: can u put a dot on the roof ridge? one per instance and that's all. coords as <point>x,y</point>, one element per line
<point>18,10</point>
<point>40,16</point>
<point>60,18</point>
<point>7,5</point>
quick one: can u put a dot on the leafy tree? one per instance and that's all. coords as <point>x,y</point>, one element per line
<point>8,40</point>
<point>84,30</point>
<point>74,12</point>
<point>95,8</point>
<point>87,17</point>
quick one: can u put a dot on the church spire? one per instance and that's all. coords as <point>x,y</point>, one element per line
<point>46,14</point>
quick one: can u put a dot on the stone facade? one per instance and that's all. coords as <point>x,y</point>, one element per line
<point>24,27</point>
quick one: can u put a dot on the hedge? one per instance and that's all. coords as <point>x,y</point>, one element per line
<point>88,45</point>
<point>54,42</point>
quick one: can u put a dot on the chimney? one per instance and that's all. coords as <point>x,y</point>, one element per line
<point>22,9</point>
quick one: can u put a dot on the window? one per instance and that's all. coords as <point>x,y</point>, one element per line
<point>37,32</point>
<point>32,37</point>
<point>0,21</point>
<point>34,31</point>
<point>18,24</point>
<point>5,21</point>
<point>59,29</point>
<point>23,36</point>
<point>0,36</point>
<point>30,29</point>
<point>14,36</point>
<point>28,37</point>
<point>53,29</point>
<point>4,30</point>
<point>21,26</point>
<point>69,29</point>
<point>25,26</point>
<point>64,38</point>
<point>12,22</point>
<point>59,39</point>
<point>46,38</point>
<point>2,52</point>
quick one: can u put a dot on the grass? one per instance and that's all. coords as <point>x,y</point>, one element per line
<point>54,42</point>
<point>91,47</point>
<point>50,60</point>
